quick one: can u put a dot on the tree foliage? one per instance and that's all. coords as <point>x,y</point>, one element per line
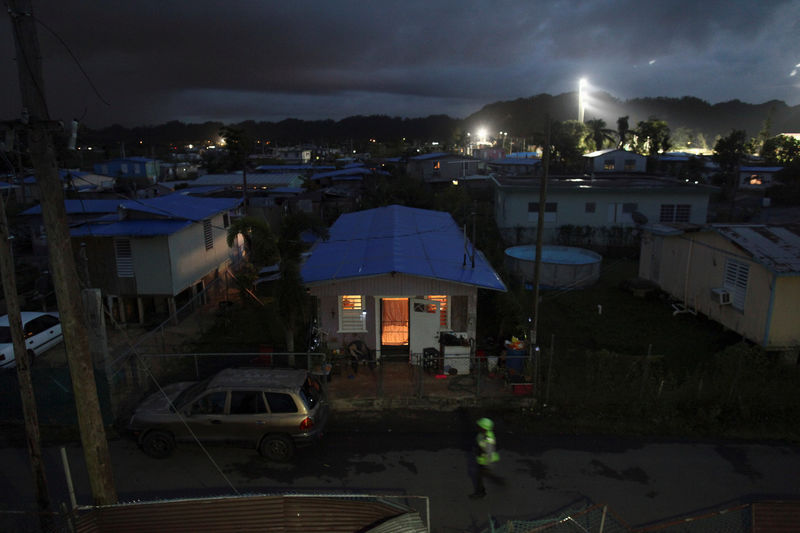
<point>729,152</point>
<point>651,137</point>
<point>567,146</point>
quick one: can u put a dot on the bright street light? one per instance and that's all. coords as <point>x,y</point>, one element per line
<point>581,102</point>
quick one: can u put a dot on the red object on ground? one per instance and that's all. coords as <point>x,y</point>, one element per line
<point>441,376</point>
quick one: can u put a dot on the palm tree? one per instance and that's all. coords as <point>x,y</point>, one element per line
<point>265,247</point>
<point>623,131</point>
<point>598,133</point>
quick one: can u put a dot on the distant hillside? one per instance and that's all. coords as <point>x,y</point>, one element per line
<point>521,117</point>
<point>526,116</point>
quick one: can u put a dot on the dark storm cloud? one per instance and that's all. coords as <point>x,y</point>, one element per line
<point>160,60</point>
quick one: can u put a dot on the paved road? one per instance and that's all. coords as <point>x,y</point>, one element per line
<point>642,481</point>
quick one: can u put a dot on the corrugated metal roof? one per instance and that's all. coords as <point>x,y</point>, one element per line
<point>400,239</point>
<point>776,517</point>
<point>775,247</point>
<point>760,169</point>
<point>357,172</point>
<point>288,514</point>
<point>253,179</point>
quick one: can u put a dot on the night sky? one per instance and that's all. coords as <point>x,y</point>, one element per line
<point>198,60</point>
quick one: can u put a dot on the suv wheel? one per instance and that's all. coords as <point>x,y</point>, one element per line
<point>158,444</point>
<point>277,447</point>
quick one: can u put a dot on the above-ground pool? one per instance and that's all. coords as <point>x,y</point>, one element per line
<point>562,266</point>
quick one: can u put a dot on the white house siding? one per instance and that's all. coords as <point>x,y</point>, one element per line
<point>784,327</point>
<point>511,207</point>
<point>190,259</point>
<point>619,157</point>
<point>384,286</point>
<point>151,265</point>
<point>691,264</point>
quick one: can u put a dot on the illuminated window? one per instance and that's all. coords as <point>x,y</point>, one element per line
<point>755,179</point>
<point>442,299</point>
<point>608,164</point>
<point>352,313</point>
<point>437,165</point>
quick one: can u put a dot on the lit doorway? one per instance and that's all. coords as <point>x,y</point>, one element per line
<point>394,326</point>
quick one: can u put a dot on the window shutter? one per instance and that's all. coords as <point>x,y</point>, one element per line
<point>208,234</point>
<point>124,256</point>
<point>736,276</point>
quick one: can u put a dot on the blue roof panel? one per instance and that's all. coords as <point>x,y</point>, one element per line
<point>130,228</point>
<point>401,239</point>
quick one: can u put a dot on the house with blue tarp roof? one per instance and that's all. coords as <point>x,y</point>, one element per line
<point>129,167</point>
<point>151,256</point>
<point>396,277</point>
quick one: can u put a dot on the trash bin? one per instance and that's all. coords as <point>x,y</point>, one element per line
<point>515,360</point>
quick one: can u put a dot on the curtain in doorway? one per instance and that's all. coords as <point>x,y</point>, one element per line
<point>394,322</point>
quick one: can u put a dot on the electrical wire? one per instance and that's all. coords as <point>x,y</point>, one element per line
<point>69,51</point>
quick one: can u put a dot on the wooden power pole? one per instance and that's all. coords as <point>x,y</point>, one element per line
<point>62,260</point>
<point>27,396</point>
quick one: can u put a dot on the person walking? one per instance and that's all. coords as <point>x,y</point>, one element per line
<point>485,455</point>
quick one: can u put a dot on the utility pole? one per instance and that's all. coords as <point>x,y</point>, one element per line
<point>27,396</point>
<point>540,232</point>
<point>62,260</point>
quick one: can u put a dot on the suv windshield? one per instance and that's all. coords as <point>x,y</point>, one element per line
<point>190,393</point>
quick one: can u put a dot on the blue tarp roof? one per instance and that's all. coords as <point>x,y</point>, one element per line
<point>88,206</point>
<point>173,205</point>
<point>180,206</point>
<point>350,172</point>
<point>131,228</point>
<point>435,155</point>
<point>401,239</point>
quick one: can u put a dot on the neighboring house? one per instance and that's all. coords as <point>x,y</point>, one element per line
<point>516,166</point>
<point>75,181</point>
<point>441,167</point>
<point>757,177</point>
<point>78,211</point>
<point>130,167</point>
<point>256,181</point>
<point>293,155</point>
<point>615,160</point>
<point>599,207</point>
<point>153,255</point>
<point>394,277</point>
<point>746,277</point>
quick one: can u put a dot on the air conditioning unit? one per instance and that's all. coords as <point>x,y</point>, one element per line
<point>721,296</point>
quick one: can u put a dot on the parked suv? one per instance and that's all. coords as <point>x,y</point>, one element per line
<point>41,332</point>
<point>271,409</point>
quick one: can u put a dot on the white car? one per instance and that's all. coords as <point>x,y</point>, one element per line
<point>41,332</point>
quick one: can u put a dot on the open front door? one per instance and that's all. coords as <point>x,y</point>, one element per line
<point>425,323</point>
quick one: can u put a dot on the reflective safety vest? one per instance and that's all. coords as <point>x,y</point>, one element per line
<point>487,448</point>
